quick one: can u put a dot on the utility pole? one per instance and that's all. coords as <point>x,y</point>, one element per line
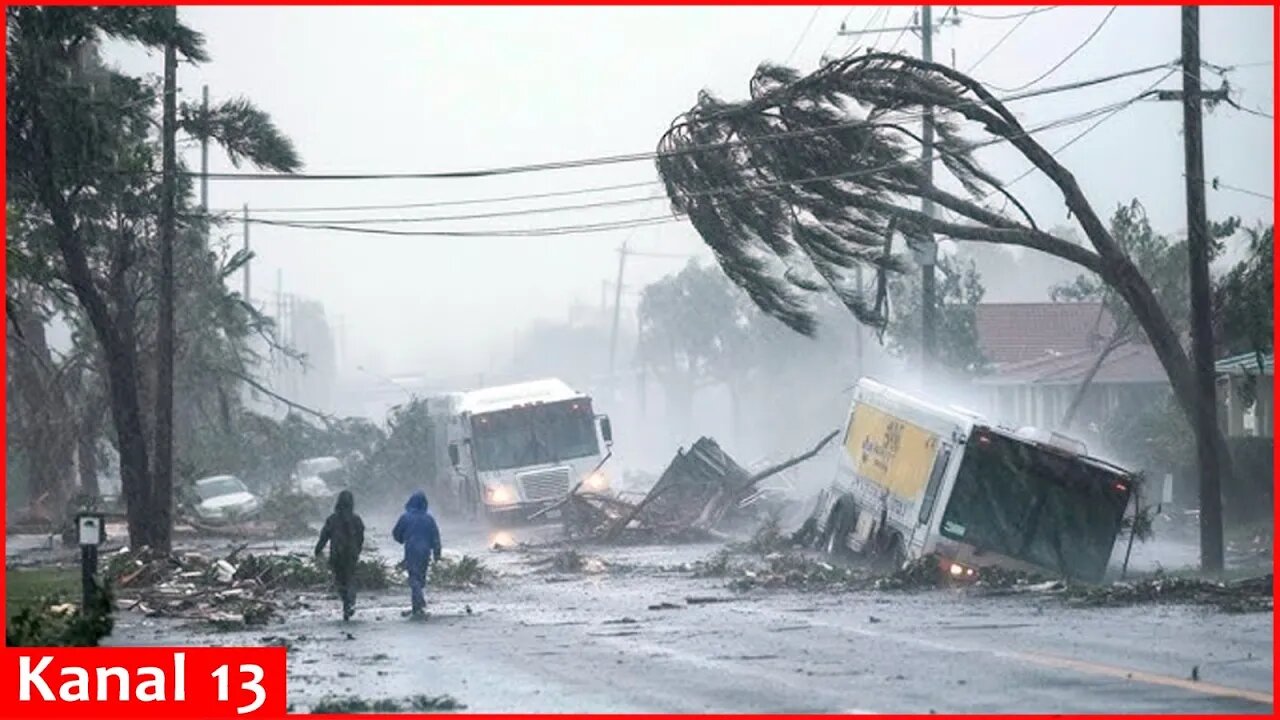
<point>162,480</point>
<point>926,251</point>
<point>1208,462</point>
<point>1211,553</point>
<point>617,312</point>
<point>248,298</point>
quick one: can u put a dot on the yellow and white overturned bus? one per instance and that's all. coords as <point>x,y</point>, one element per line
<point>917,479</point>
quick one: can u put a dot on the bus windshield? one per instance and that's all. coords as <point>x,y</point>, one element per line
<point>1030,504</point>
<point>534,435</point>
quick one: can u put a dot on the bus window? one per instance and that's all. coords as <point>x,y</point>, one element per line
<point>935,482</point>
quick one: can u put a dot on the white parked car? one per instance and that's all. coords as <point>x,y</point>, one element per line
<point>224,498</point>
<point>319,477</point>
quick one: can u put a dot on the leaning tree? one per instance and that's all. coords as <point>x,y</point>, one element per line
<point>84,171</point>
<point>807,179</point>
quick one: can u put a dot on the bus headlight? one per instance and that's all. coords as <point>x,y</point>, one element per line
<point>500,494</point>
<point>596,482</point>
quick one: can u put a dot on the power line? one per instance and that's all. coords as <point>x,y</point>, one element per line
<point>520,232</point>
<point>901,34</point>
<point>450,203</point>
<point>640,222</point>
<point>486,215</point>
<point>1120,106</point>
<point>1217,184</point>
<point>998,43</point>
<point>1251,111</point>
<point>1070,55</point>
<point>641,156</point>
<point>835,37</point>
<point>803,34</point>
<point>1010,16</point>
<point>590,190</point>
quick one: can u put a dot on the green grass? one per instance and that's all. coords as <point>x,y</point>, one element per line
<point>27,586</point>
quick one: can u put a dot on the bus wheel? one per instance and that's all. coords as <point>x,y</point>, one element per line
<point>843,518</point>
<point>893,555</point>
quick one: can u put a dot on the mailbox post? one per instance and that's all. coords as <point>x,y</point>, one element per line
<point>91,531</point>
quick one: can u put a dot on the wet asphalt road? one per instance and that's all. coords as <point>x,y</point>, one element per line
<point>542,642</point>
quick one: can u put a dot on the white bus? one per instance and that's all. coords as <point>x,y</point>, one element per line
<point>916,479</point>
<point>517,449</point>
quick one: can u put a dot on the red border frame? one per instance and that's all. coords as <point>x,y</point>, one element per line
<point>524,716</point>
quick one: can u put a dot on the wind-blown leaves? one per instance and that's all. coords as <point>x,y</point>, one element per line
<point>794,188</point>
<point>244,132</point>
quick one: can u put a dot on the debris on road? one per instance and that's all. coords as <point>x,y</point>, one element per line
<point>464,573</point>
<point>798,571</point>
<point>229,592</point>
<point>571,561</point>
<point>1241,596</point>
<point>416,704</point>
<point>701,489</point>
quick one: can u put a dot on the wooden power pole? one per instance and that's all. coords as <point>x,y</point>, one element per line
<point>1208,463</point>
<point>926,251</point>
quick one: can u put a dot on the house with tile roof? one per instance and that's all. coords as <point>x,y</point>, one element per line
<point>1040,353</point>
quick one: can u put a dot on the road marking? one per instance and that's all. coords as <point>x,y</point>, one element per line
<point>1081,666</point>
<point>1093,668</point>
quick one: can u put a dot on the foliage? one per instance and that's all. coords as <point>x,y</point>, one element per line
<point>692,327</point>
<point>957,294</point>
<point>465,573</point>
<point>811,176</point>
<point>1151,435</point>
<point>1243,313</point>
<point>85,193</point>
<point>45,623</point>
<point>1161,260</point>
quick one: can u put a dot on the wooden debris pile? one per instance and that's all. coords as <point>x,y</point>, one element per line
<point>697,493</point>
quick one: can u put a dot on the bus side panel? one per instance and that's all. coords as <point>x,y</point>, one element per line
<point>891,459</point>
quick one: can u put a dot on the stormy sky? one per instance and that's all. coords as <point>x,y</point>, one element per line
<point>403,90</point>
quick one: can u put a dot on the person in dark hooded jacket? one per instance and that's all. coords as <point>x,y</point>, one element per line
<point>420,535</point>
<point>344,533</point>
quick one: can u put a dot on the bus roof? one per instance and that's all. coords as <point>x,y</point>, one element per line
<point>896,400</point>
<point>492,399</point>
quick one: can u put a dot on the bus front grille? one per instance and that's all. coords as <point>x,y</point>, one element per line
<point>545,484</point>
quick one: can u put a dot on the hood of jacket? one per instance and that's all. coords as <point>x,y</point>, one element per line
<point>417,502</point>
<point>346,503</point>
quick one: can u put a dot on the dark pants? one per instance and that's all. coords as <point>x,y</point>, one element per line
<point>344,574</point>
<point>418,584</point>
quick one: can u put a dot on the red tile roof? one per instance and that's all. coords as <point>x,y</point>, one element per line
<point>1057,343</point>
<point>1129,363</point>
<point>1017,332</point>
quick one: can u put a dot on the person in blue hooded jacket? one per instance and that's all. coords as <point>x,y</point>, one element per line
<point>420,535</point>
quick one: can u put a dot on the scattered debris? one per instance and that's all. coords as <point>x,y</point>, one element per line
<point>699,490</point>
<point>416,704</point>
<point>228,593</point>
<point>769,538</point>
<point>1241,596</point>
<point>571,561</point>
<point>465,573</point>
<point>707,600</point>
<point>666,606</point>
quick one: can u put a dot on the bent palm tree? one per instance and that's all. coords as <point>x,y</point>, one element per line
<point>805,180</point>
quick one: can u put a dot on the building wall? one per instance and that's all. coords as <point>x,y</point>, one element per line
<point>1240,419</point>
